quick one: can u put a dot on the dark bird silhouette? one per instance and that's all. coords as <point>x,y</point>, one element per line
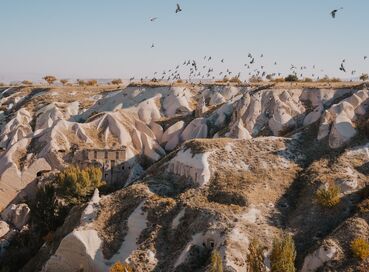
<point>153,45</point>
<point>178,8</point>
<point>153,19</point>
<point>342,68</point>
<point>334,12</point>
<point>222,61</point>
<point>365,57</point>
<point>252,61</point>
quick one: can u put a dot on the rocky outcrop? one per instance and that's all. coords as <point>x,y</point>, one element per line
<point>17,215</point>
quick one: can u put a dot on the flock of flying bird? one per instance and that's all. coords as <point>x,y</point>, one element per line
<point>195,70</point>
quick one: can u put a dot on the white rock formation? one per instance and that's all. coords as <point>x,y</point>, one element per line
<point>327,252</point>
<point>338,121</point>
<point>171,137</point>
<point>4,228</point>
<point>191,166</point>
<point>196,129</point>
<point>82,249</point>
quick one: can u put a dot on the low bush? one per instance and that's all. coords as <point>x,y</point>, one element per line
<point>49,79</point>
<point>91,82</point>
<point>116,81</point>
<point>283,254</point>
<point>360,248</point>
<point>328,197</point>
<point>120,267</point>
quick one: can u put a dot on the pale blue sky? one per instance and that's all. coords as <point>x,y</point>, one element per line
<point>112,38</point>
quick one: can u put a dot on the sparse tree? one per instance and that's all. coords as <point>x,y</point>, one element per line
<point>291,78</point>
<point>116,81</point>
<point>364,77</point>
<point>49,79</point>
<point>64,81</point>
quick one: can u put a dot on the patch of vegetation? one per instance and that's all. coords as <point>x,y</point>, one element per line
<point>235,80</point>
<point>283,254</point>
<point>71,187</point>
<point>278,80</point>
<point>92,82</point>
<point>27,82</point>
<point>256,79</point>
<point>364,77</point>
<point>116,81</point>
<point>291,78</point>
<point>76,183</point>
<point>327,79</point>
<point>49,79</point>
<point>216,264</point>
<point>255,257</point>
<point>360,248</point>
<point>329,196</point>
<point>81,82</point>
<point>120,267</point>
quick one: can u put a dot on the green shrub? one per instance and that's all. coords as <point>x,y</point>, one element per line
<point>291,78</point>
<point>79,183</point>
<point>216,264</point>
<point>328,197</point>
<point>360,248</point>
<point>255,258</point>
<point>283,254</point>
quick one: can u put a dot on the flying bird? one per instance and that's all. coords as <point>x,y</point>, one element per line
<point>153,19</point>
<point>342,68</point>
<point>153,45</point>
<point>334,12</point>
<point>178,8</point>
<point>365,57</point>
